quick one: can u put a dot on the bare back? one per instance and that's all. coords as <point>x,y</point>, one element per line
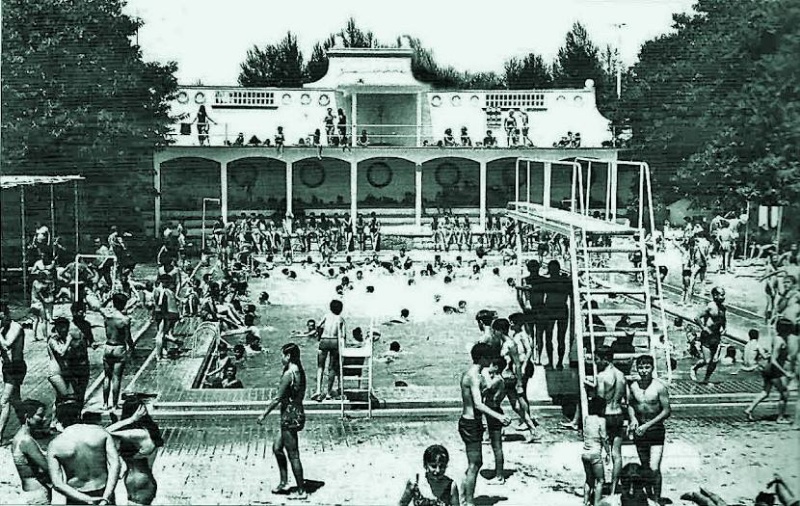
<point>118,328</point>
<point>611,386</point>
<point>469,380</point>
<point>81,452</point>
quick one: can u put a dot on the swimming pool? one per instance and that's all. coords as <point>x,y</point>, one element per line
<point>434,345</point>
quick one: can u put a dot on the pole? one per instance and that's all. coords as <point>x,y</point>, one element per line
<point>52,215</point>
<point>24,245</point>
<point>746,231</point>
<point>203,228</point>
<point>619,58</point>
<point>778,234</point>
<point>528,180</point>
<point>75,207</point>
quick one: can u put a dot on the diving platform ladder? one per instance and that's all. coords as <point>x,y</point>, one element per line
<point>602,265</point>
<point>355,374</point>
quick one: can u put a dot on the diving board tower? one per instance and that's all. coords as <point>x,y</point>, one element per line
<point>601,258</point>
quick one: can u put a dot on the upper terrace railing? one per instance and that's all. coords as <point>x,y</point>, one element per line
<point>408,135</point>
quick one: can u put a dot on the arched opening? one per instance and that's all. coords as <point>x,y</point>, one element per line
<point>185,182</point>
<point>387,183</point>
<point>451,183</point>
<point>320,184</point>
<point>257,184</point>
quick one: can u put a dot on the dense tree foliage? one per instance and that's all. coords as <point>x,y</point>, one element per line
<point>530,72</point>
<point>78,98</point>
<point>275,65</point>
<point>715,106</point>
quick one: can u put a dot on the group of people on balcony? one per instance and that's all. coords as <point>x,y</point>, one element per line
<point>515,125</point>
<point>571,140</point>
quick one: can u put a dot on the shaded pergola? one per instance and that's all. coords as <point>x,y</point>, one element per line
<point>20,182</point>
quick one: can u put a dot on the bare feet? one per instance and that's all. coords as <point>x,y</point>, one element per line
<point>497,480</point>
<point>749,415</point>
<point>282,488</point>
<point>299,494</point>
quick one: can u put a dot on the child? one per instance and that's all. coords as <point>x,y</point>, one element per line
<point>595,440</point>
<point>333,327</point>
<point>752,352</point>
<point>436,488</point>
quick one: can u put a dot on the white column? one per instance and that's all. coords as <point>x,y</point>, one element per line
<point>289,188</point>
<point>157,203</point>
<point>548,177</point>
<point>354,120</point>
<point>482,211</point>
<point>419,119</point>
<point>613,190</point>
<point>418,200</point>
<point>223,174</point>
<point>353,193</point>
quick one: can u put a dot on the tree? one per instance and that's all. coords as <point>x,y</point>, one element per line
<point>577,60</point>
<point>720,123</point>
<point>530,72</point>
<point>276,65</point>
<point>78,98</point>
<point>350,36</point>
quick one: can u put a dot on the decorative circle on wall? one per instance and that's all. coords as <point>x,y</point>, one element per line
<point>312,174</point>
<point>561,98</point>
<point>475,100</point>
<point>324,100</point>
<point>183,97</point>
<point>379,174</point>
<point>286,99</point>
<point>305,99</point>
<point>200,98</point>
<point>436,101</point>
<point>456,100</point>
<point>578,100</point>
<point>447,174</point>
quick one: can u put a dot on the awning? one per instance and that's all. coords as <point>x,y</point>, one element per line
<point>7,182</point>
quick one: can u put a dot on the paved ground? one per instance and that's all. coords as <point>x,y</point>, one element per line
<point>366,462</point>
<point>363,462</point>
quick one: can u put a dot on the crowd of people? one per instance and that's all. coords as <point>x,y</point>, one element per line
<point>83,461</point>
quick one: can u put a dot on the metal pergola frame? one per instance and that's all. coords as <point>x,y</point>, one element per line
<point>21,181</point>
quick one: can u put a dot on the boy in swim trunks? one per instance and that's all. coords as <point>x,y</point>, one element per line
<point>470,425</point>
<point>648,408</point>
<point>12,349</point>
<point>332,326</point>
<point>119,346</point>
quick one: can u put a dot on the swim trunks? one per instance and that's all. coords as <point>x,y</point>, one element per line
<point>94,493</point>
<point>113,354</point>
<point>329,344</point>
<point>470,430</point>
<point>654,436</point>
<point>615,426</point>
<point>493,424</point>
<point>14,372</point>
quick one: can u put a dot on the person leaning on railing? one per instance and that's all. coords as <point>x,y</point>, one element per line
<point>202,120</point>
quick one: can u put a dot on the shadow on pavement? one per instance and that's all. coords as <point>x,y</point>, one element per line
<point>489,500</point>
<point>313,485</point>
<point>490,474</point>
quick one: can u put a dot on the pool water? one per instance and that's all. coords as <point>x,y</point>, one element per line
<point>434,345</point>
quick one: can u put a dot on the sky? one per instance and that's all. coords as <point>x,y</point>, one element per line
<point>210,38</point>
